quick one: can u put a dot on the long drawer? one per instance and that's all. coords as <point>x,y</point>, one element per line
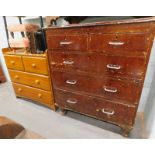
<point>34,80</point>
<point>96,107</point>
<point>118,42</point>
<point>129,67</point>
<point>108,88</point>
<point>35,94</point>
<point>67,42</point>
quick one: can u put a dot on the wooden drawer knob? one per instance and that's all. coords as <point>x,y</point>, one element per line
<point>19,89</point>
<point>37,81</point>
<point>12,62</point>
<point>16,77</point>
<point>40,95</point>
<point>34,65</point>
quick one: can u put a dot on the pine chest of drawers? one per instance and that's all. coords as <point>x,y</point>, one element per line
<point>99,69</point>
<point>30,77</point>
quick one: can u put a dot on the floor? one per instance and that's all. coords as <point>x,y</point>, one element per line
<point>50,124</point>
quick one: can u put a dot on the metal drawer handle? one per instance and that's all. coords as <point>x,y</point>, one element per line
<point>74,101</point>
<point>12,62</point>
<point>108,113</point>
<point>111,66</point>
<point>65,43</point>
<point>68,62</point>
<point>71,82</point>
<point>116,43</point>
<point>114,90</point>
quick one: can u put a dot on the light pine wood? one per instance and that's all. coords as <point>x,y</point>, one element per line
<point>14,62</point>
<point>35,94</point>
<point>34,80</point>
<point>35,65</point>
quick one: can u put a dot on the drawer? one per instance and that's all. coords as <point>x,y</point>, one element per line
<point>34,80</point>
<point>109,88</point>
<point>35,65</point>
<point>67,42</point>
<point>14,62</point>
<point>38,95</point>
<point>118,42</point>
<point>96,107</point>
<point>128,67</point>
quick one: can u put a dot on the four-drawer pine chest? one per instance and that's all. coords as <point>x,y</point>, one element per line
<point>99,69</point>
<point>30,76</point>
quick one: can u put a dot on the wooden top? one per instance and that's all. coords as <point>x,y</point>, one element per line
<point>112,22</point>
<point>22,52</point>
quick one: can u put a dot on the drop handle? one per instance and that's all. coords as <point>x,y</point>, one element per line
<point>68,62</point>
<point>72,101</point>
<point>116,43</point>
<point>107,112</point>
<point>72,82</point>
<point>112,66</point>
<point>65,43</point>
<point>110,90</point>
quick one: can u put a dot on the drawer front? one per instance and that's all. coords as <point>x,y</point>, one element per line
<point>38,81</point>
<point>118,42</point>
<point>68,42</point>
<point>109,111</point>
<point>129,67</point>
<point>14,62</point>
<point>108,88</point>
<point>38,95</point>
<point>35,65</point>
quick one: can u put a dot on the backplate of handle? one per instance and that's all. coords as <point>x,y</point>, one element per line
<point>68,62</point>
<point>116,43</point>
<point>72,101</point>
<point>107,112</point>
<point>110,90</point>
<point>112,66</point>
<point>72,82</point>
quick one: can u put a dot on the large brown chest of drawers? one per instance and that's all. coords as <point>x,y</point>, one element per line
<point>99,69</point>
<point>30,77</point>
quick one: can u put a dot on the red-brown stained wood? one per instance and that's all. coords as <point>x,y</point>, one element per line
<point>99,64</point>
<point>113,112</point>
<point>116,56</point>
<point>108,88</point>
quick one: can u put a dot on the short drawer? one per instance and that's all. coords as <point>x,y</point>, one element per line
<point>14,62</point>
<point>105,87</point>
<point>118,42</point>
<point>35,65</point>
<point>96,107</point>
<point>68,42</point>
<point>128,67</point>
<point>38,81</point>
<point>38,95</point>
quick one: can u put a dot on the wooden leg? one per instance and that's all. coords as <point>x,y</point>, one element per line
<point>125,131</point>
<point>63,111</point>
